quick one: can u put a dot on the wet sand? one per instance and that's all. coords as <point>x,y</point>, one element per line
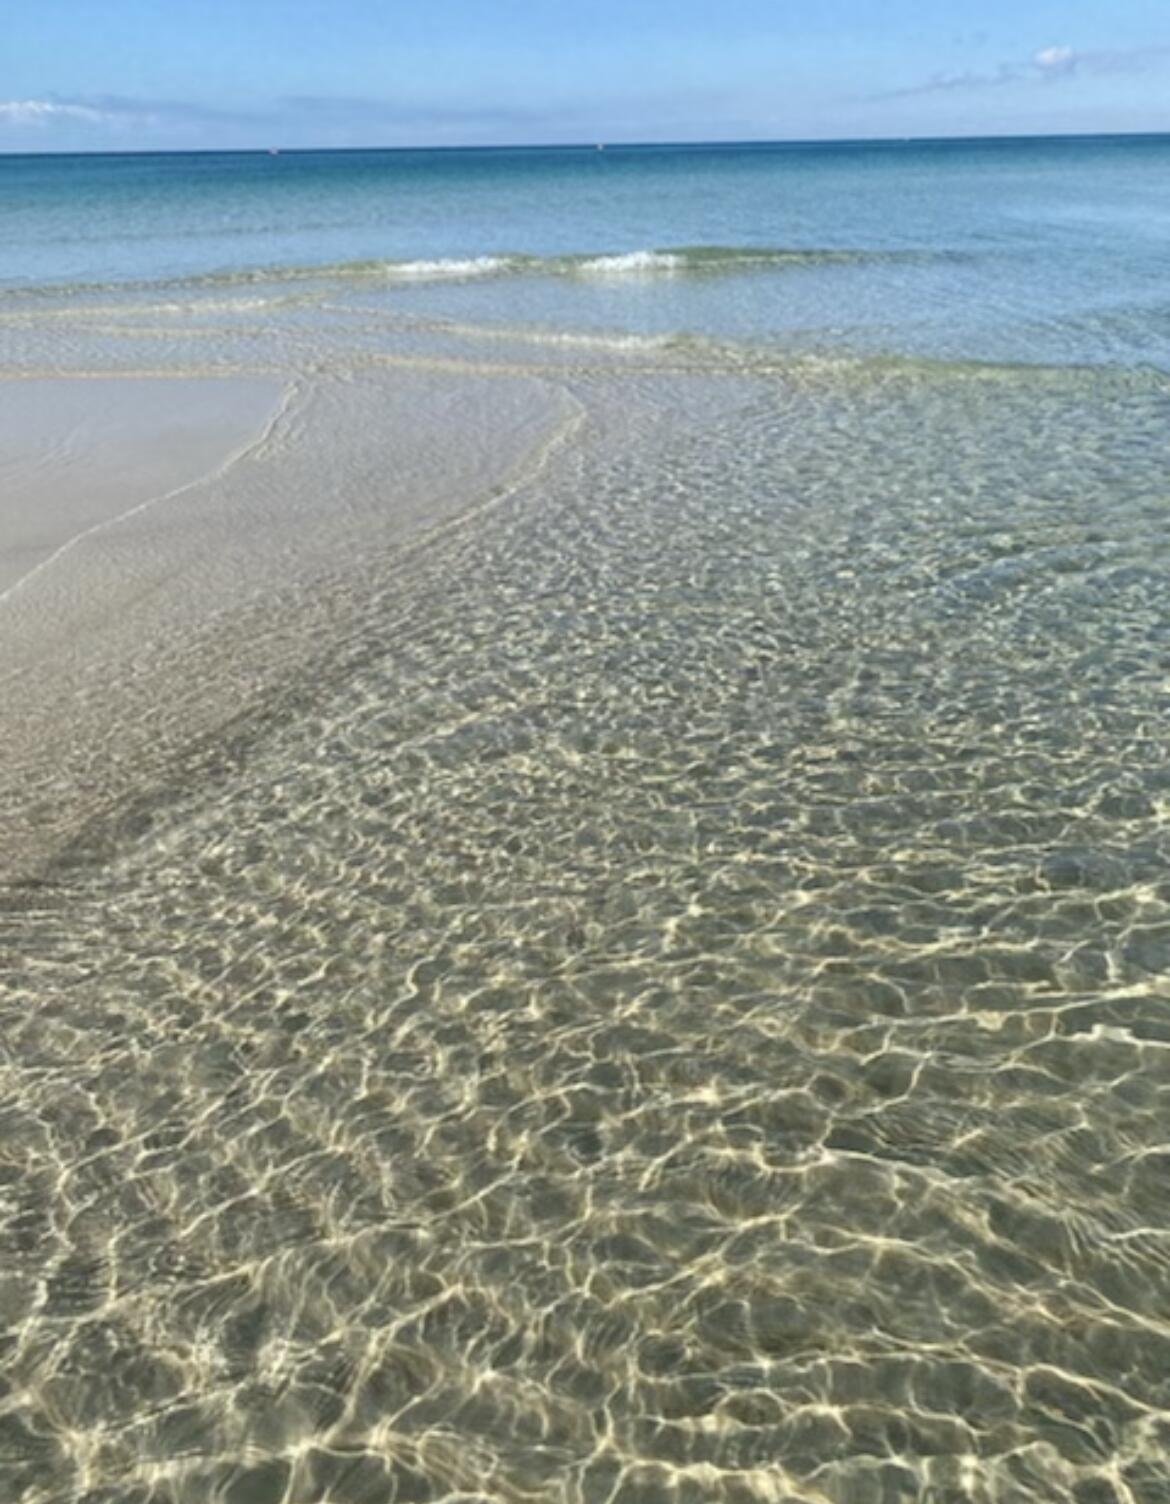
<point>96,476</point>
<point>82,457</point>
<point>164,542</point>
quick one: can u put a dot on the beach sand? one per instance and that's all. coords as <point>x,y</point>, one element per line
<point>170,548</point>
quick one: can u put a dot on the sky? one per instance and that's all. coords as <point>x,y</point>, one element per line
<point>122,75</point>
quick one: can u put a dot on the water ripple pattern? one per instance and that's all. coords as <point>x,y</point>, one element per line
<point>674,1007</point>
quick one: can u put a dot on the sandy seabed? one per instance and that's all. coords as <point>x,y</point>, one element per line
<point>589,922</point>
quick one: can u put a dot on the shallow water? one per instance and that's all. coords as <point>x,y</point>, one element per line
<point>671,1003</point>
<point>1008,250</point>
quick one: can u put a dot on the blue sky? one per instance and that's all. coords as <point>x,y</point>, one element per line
<point>139,74</point>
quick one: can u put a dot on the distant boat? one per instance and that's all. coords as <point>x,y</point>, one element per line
<point>274,151</point>
<point>600,147</point>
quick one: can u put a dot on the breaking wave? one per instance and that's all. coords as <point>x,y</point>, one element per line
<point>646,262</point>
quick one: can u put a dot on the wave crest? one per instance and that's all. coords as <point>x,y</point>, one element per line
<point>445,269</point>
<point>632,263</point>
<point>700,260</point>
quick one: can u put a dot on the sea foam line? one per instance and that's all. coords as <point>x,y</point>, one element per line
<point>639,262</point>
<point>636,263</point>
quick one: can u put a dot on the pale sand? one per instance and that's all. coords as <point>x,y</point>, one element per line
<point>79,456</point>
<point>171,550</point>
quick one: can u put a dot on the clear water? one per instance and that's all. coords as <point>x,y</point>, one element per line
<point>1048,250</point>
<point>668,995</point>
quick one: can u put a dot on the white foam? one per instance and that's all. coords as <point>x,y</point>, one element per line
<point>204,305</point>
<point>633,263</point>
<point>446,269</point>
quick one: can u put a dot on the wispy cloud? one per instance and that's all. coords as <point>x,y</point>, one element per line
<point>945,83</point>
<point>42,111</point>
<point>1064,61</point>
<point>1046,65</point>
<point>111,114</point>
<point>317,118</point>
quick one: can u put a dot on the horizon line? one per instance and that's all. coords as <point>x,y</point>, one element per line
<point>594,145</point>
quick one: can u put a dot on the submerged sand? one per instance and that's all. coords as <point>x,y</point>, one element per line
<point>663,995</point>
<point>167,545</point>
<point>79,457</point>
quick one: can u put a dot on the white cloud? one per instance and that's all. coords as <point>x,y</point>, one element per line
<point>38,111</point>
<point>1047,65</point>
<point>1056,59</point>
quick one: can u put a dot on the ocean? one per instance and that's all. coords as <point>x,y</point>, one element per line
<point>1046,251</point>
<point>586,912</point>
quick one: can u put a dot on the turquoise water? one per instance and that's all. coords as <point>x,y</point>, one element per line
<point>1047,250</point>
<point>659,989</point>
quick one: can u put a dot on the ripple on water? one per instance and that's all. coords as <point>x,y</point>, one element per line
<point>682,1021</point>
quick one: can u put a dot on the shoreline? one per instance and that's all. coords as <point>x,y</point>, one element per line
<point>135,633</point>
